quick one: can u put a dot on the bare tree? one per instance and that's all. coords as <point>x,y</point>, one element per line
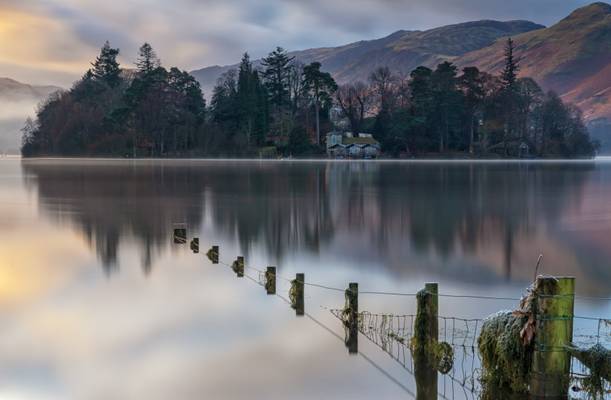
<point>383,84</point>
<point>355,102</point>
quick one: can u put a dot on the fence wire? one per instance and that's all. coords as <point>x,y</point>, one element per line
<point>393,335</point>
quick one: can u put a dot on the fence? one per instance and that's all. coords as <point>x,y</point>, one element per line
<point>430,346</point>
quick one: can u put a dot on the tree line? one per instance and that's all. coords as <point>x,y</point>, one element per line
<point>280,106</point>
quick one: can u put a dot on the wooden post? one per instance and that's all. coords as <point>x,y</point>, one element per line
<point>238,266</point>
<point>296,294</point>
<point>551,362</point>
<point>427,324</point>
<point>180,235</point>
<point>195,245</point>
<point>351,318</point>
<point>270,280</point>
<point>213,254</point>
<point>426,336</point>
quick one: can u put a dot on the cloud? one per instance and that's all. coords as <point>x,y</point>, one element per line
<point>53,41</point>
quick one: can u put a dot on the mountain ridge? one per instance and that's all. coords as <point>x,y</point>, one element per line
<point>571,57</point>
<point>401,50</point>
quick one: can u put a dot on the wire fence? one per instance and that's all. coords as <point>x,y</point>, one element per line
<point>393,335</point>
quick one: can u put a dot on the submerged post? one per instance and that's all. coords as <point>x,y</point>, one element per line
<point>180,235</point>
<point>551,364</point>
<point>238,266</point>
<point>213,254</point>
<point>195,245</point>
<point>296,294</point>
<point>270,280</point>
<point>351,316</point>
<point>425,342</point>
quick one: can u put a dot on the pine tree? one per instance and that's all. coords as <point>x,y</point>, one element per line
<point>105,67</point>
<point>447,99</point>
<point>510,95</point>
<point>147,59</point>
<point>319,87</point>
<point>472,83</point>
<point>276,73</point>
<point>509,76</point>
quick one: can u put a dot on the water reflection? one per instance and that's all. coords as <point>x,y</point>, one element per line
<point>410,215</point>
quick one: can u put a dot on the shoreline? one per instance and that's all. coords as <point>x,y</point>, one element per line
<point>599,159</point>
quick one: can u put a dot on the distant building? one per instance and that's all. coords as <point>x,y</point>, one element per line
<point>346,145</point>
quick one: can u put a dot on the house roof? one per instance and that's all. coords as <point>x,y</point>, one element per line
<point>360,140</point>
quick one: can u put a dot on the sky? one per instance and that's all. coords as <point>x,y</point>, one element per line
<point>53,41</point>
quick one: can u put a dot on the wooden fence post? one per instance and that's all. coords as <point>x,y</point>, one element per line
<point>427,324</point>
<point>351,318</point>
<point>195,245</point>
<point>270,280</point>
<point>213,254</point>
<point>238,266</point>
<point>551,364</point>
<point>296,294</point>
<point>180,235</point>
<point>426,336</point>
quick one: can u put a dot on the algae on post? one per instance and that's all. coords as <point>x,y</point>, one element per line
<point>506,359</point>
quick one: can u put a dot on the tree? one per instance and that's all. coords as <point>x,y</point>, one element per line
<point>422,105</point>
<point>319,87</point>
<point>276,75</point>
<point>509,76</point>
<point>383,85</point>
<point>147,59</point>
<point>354,101</point>
<point>295,84</point>
<point>509,95</point>
<point>251,103</point>
<point>28,136</point>
<point>472,83</point>
<point>448,101</point>
<point>106,68</point>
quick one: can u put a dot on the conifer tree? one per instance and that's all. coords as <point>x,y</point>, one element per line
<point>319,87</point>
<point>276,74</point>
<point>509,76</point>
<point>105,67</point>
<point>147,59</point>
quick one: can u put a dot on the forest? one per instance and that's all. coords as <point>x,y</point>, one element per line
<point>280,107</point>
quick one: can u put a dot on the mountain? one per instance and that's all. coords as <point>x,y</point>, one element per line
<point>17,102</point>
<point>572,57</point>
<point>401,51</point>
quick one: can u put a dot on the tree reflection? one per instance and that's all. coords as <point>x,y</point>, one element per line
<point>379,208</point>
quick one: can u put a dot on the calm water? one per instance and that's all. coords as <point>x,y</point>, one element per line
<point>97,303</point>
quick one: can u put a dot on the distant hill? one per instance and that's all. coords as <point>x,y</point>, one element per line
<point>17,102</point>
<point>401,51</point>
<point>572,57</point>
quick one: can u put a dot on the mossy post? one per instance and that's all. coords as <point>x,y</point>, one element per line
<point>351,318</point>
<point>238,266</point>
<point>554,332</point>
<point>213,254</point>
<point>296,294</point>
<point>425,340</point>
<point>270,280</point>
<point>427,324</point>
<point>180,235</point>
<point>195,245</point>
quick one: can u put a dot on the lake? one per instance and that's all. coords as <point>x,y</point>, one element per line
<point>97,302</point>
